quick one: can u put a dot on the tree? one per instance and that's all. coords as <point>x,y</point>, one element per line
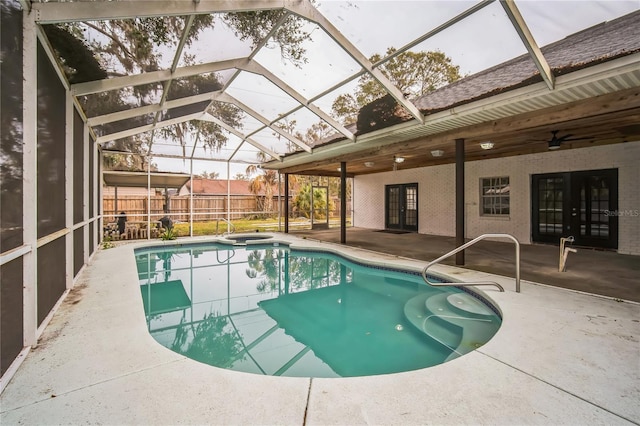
<point>209,175</point>
<point>80,65</point>
<point>288,126</point>
<point>317,133</point>
<point>11,125</point>
<point>264,264</point>
<point>133,46</point>
<point>414,73</point>
<point>240,176</point>
<point>255,26</point>
<point>302,202</point>
<point>265,182</point>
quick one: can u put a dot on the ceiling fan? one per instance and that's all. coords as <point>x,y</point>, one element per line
<point>556,141</point>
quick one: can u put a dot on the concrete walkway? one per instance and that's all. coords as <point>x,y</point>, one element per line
<point>560,357</point>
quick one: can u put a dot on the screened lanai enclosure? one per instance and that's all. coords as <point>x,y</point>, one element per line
<point>213,112</point>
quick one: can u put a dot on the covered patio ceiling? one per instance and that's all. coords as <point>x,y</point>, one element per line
<point>214,88</point>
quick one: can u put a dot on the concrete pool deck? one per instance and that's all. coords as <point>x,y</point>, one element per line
<point>560,357</point>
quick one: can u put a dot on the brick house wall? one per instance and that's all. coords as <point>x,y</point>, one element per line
<point>436,192</point>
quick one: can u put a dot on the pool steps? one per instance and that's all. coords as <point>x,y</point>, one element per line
<point>438,317</point>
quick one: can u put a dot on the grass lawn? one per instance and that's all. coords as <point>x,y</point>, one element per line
<point>240,225</point>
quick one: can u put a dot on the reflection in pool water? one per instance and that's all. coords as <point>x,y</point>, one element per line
<point>271,310</point>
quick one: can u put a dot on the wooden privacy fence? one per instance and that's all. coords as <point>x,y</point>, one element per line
<point>205,208</point>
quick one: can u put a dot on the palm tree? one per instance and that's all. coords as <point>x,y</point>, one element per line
<point>302,202</point>
<point>266,267</point>
<point>265,181</point>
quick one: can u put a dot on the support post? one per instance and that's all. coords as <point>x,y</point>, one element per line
<point>148,194</point>
<point>460,199</point>
<point>343,202</point>
<point>279,202</point>
<point>98,194</point>
<point>286,203</point>
<point>228,199</point>
<point>191,197</point>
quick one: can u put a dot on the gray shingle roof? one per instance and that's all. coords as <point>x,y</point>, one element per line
<point>600,43</point>
<point>591,46</point>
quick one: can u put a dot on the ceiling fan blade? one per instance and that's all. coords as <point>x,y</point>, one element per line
<point>577,139</point>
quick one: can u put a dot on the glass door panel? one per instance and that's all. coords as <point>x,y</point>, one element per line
<point>576,204</point>
<point>401,207</point>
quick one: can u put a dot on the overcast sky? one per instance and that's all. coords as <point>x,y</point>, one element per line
<point>485,39</point>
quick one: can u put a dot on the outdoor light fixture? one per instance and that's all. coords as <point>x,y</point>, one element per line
<point>486,145</point>
<point>398,159</point>
<point>437,153</point>
<point>369,163</point>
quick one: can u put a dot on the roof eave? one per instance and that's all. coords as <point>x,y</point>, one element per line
<point>616,73</point>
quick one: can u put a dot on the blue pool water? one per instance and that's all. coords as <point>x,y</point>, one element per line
<point>275,311</point>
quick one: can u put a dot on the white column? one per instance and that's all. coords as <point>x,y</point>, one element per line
<point>99,206</point>
<point>191,197</point>
<point>149,194</point>
<point>228,199</point>
<point>69,175</point>
<point>279,202</point>
<point>29,178</point>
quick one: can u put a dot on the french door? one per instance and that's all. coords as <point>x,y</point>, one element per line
<point>401,207</point>
<point>580,204</point>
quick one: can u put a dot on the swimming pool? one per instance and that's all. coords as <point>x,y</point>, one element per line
<point>268,309</point>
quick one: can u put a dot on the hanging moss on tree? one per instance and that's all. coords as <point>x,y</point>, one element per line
<point>79,63</point>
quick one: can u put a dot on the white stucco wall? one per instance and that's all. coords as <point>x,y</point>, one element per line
<point>436,192</point>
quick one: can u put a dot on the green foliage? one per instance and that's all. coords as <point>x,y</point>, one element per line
<point>414,73</point>
<point>302,202</point>
<point>107,243</point>
<point>240,176</point>
<point>209,341</point>
<point>240,225</point>
<point>122,47</point>
<point>263,185</point>
<point>169,234</point>
<point>317,133</point>
<point>207,175</point>
<point>266,265</point>
<point>79,63</point>
<point>256,25</point>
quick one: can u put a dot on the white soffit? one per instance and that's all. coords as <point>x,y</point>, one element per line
<point>602,79</point>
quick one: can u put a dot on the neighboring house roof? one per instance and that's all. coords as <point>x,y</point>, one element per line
<point>219,187</point>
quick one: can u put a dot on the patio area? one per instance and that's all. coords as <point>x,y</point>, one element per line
<point>471,117</point>
<point>97,363</point>
<point>600,272</point>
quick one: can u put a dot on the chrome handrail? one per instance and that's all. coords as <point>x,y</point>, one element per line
<point>231,254</point>
<point>464,246</point>
<point>228,222</point>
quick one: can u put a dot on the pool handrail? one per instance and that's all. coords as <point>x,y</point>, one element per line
<point>230,226</point>
<point>464,246</point>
